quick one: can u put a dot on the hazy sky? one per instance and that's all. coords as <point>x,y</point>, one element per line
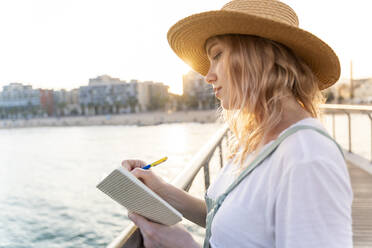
<point>62,43</point>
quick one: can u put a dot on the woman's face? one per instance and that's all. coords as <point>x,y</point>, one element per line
<point>217,53</point>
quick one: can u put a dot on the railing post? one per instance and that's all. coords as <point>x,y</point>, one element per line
<point>221,157</point>
<point>188,186</point>
<point>349,121</point>
<point>370,143</point>
<point>206,175</point>
<point>333,126</point>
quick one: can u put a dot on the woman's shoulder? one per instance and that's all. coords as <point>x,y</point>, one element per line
<point>307,145</point>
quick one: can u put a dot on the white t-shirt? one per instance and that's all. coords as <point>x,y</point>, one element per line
<point>298,197</point>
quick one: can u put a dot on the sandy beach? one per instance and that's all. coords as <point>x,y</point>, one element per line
<point>140,119</point>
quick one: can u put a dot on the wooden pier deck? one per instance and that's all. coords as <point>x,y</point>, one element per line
<point>361,182</point>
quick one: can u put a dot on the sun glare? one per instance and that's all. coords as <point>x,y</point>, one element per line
<point>175,77</point>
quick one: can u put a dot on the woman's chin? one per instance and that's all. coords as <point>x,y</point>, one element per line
<point>225,105</point>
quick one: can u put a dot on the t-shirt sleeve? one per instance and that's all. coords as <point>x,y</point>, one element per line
<point>313,206</point>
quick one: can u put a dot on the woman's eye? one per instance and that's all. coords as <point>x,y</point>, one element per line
<point>217,56</point>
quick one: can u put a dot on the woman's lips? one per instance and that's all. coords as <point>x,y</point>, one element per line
<point>217,91</point>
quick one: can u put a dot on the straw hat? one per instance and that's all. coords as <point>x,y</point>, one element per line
<point>269,19</point>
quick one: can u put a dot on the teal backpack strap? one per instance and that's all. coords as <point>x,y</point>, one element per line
<point>327,135</point>
<point>213,206</point>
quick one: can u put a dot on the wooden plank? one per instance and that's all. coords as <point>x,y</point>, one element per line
<point>361,183</point>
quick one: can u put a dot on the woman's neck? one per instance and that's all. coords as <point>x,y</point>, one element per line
<point>293,113</point>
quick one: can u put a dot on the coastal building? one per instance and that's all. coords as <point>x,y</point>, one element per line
<point>19,101</point>
<point>174,103</point>
<point>144,95</point>
<point>108,95</point>
<point>357,92</point>
<point>67,102</point>
<point>46,101</point>
<point>104,95</point>
<point>363,90</point>
<point>19,95</point>
<point>343,92</point>
<point>152,96</point>
<point>104,80</point>
<point>197,93</point>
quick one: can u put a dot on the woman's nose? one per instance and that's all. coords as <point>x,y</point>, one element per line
<point>211,77</point>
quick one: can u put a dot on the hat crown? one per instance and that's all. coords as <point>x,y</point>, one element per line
<point>269,9</point>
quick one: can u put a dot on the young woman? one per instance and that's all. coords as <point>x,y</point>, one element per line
<point>286,183</point>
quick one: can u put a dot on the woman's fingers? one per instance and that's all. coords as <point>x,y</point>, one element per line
<point>147,228</point>
<point>140,173</point>
<point>154,182</point>
<point>158,235</point>
<point>131,164</point>
<point>148,177</point>
<point>140,221</point>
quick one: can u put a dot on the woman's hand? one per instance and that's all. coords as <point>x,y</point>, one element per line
<point>148,177</point>
<point>158,235</point>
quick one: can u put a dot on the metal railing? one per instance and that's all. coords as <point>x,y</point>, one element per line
<point>185,179</point>
<point>348,110</point>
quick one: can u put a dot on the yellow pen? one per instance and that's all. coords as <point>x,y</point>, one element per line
<point>155,163</point>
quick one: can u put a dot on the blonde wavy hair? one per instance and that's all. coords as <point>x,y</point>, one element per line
<point>261,74</point>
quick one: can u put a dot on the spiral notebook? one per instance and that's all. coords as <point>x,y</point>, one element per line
<point>134,195</point>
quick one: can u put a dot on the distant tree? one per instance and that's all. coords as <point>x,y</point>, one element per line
<point>118,104</point>
<point>61,108</point>
<point>330,96</point>
<point>74,112</point>
<point>106,108</point>
<point>192,102</point>
<point>132,102</point>
<point>82,107</point>
<point>157,102</point>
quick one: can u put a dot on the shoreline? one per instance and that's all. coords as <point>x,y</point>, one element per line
<point>139,119</point>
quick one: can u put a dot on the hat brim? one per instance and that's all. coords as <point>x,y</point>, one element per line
<point>188,36</point>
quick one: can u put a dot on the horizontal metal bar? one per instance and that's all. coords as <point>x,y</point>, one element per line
<point>349,108</point>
